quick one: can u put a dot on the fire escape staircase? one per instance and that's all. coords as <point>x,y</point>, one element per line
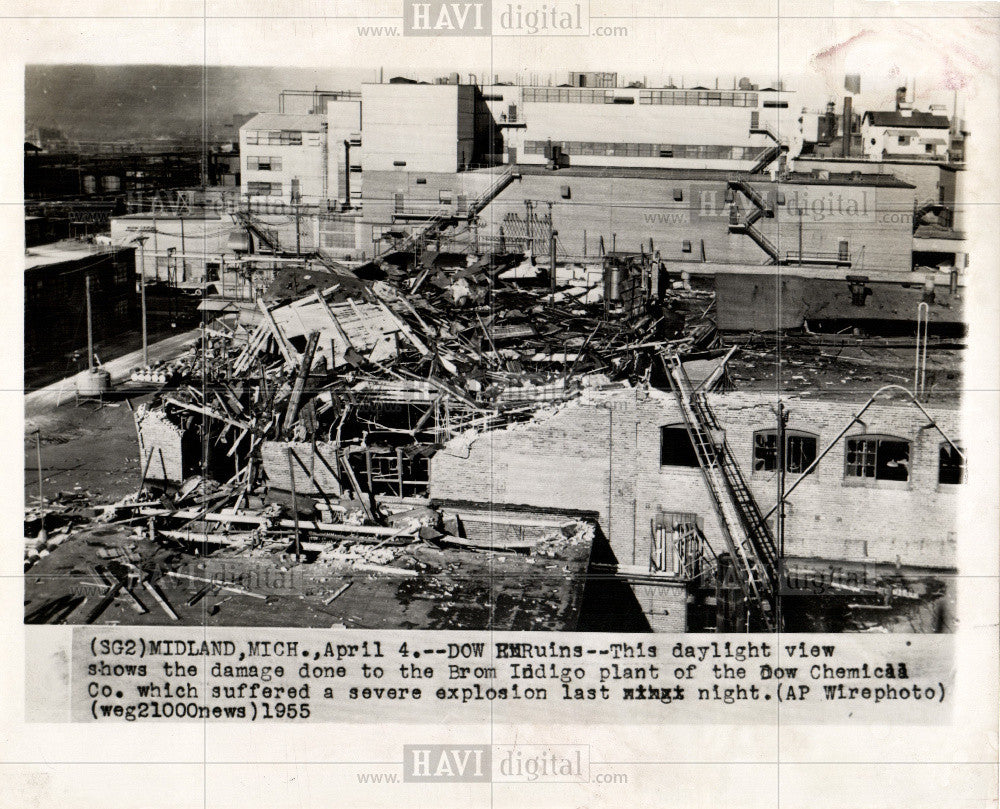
<point>747,535</point>
<point>769,155</point>
<point>503,179</point>
<point>744,223</point>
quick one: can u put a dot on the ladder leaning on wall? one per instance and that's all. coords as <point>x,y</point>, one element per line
<point>745,531</point>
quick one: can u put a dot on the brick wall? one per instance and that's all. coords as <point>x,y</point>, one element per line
<point>162,439</point>
<point>274,456</point>
<point>828,515</point>
<point>603,453</point>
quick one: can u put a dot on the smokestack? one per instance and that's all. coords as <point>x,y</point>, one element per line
<point>846,123</point>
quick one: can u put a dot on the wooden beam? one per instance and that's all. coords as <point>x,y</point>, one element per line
<point>242,425</point>
<point>300,381</point>
<point>286,349</point>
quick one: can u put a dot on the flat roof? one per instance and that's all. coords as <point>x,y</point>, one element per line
<point>889,159</point>
<point>65,250</point>
<point>194,214</point>
<point>651,173</point>
<point>282,120</point>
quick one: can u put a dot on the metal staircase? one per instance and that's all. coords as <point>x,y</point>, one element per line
<point>505,178</point>
<point>744,223</point>
<point>747,535</point>
<point>772,152</point>
<point>767,157</point>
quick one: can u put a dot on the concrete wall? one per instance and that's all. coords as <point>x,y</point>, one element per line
<point>204,238</point>
<point>628,212</point>
<point>604,454</point>
<point>427,127</point>
<point>928,178</point>
<point>876,222</point>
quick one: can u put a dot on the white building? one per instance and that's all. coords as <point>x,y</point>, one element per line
<point>284,159</point>
<point>905,133</point>
<point>418,127</point>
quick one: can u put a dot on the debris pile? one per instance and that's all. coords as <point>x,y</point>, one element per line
<point>301,429</point>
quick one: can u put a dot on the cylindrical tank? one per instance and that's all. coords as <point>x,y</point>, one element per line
<point>109,182</point>
<point>93,382</point>
<point>89,184</point>
<point>612,281</point>
<point>239,241</point>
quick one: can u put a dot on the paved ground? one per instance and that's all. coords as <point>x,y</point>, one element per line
<point>44,400</point>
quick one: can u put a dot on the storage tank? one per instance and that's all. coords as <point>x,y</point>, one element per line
<point>93,382</point>
<point>239,241</point>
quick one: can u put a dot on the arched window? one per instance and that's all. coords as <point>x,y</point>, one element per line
<point>676,448</point>
<point>877,457</point>
<point>800,451</point>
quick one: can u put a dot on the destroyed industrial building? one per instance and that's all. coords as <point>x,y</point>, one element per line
<point>432,389</point>
<point>460,442</point>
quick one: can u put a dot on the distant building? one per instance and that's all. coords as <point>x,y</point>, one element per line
<point>418,127</point>
<point>55,299</point>
<point>283,159</point>
<point>905,133</point>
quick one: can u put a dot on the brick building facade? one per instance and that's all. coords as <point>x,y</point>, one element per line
<point>603,452</point>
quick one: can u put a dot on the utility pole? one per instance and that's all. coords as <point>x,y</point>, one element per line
<point>552,258</point>
<point>142,295</point>
<point>779,520</point>
<point>298,231</point>
<point>183,253</point>
<point>90,328</point>
<point>800,237</point>
<point>42,533</point>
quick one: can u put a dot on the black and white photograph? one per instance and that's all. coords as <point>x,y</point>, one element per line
<point>469,404</point>
<point>580,350</point>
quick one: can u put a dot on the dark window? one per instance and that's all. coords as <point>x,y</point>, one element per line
<point>778,104</point>
<point>686,246</point>
<point>678,194</point>
<point>878,457</point>
<point>676,448</point>
<point>800,451</point>
<point>951,465</point>
<point>399,162</point>
<point>421,181</point>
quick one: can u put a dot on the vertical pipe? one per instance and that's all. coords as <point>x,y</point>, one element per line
<point>347,173</point>
<point>552,259</point>
<point>779,521</point>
